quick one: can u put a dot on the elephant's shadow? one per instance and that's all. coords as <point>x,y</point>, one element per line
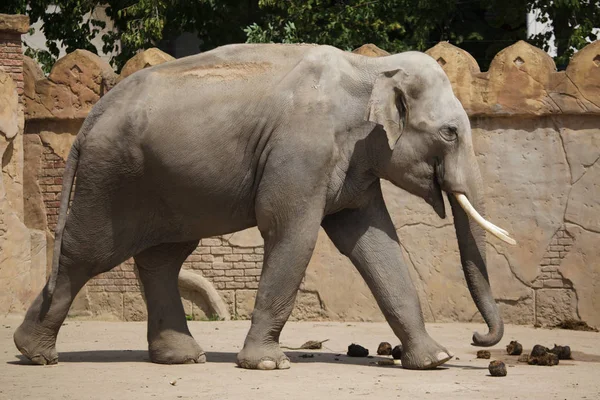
<point>110,356</point>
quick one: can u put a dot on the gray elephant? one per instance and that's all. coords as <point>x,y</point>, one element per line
<point>288,138</point>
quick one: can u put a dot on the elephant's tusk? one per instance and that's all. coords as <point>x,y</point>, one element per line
<point>488,226</point>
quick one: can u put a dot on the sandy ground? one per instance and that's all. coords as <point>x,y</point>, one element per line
<point>108,360</point>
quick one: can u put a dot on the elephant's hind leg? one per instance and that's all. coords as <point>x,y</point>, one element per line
<point>169,339</point>
<point>78,263</point>
<point>36,336</point>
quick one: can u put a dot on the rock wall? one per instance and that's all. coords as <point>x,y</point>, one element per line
<point>538,143</point>
<point>22,250</point>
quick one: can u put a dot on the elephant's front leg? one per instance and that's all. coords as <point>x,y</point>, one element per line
<point>288,250</point>
<point>289,211</point>
<point>368,237</point>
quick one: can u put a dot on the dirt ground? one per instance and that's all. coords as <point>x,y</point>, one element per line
<point>108,360</point>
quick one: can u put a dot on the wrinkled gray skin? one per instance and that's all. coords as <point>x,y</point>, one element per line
<point>288,138</point>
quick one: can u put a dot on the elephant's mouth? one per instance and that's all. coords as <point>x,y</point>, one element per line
<point>436,199</point>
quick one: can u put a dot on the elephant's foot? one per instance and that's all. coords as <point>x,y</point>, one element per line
<point>40,348</point>
<point>425,354</point>
<point>176,348</point>
<point>261,356</point>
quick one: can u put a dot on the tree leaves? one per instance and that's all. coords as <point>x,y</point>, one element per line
<point>482,27</point>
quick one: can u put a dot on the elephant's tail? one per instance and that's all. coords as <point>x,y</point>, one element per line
<point>65,198</point>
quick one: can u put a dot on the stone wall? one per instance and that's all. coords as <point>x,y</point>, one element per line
<point>22,250</point>
<point>537,137</point>
<point>11,56</point>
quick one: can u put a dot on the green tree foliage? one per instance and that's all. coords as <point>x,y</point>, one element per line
<point>482,27</point>
<point>65,23</point>
<point>573,22</point>
<point>139,24</point>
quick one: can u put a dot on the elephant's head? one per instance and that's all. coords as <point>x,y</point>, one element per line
<point>430,151</point>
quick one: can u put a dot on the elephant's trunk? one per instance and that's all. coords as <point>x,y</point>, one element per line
<point>471,243</point>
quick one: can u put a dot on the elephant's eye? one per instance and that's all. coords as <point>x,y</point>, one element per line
<point>449,133</point>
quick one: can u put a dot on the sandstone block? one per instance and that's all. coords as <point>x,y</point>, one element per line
<point>202,250</point>
<point>244,303</point>
<point>583,73</point>
<point>247,238</point>
<point>14,23</point>
<point>200,309</point>
<point>220,250</point>
<point>307,307</point>
<point>106,306</point>
<point>232,257</point>
<point>370,50</point>
<point>253,257</point>
<point>32,72</point>
<point>584,201</point>
<point>9,107</point>
<point>555,305</point>
<point>581,267</point>
<point>211,242</point>
<point>241,250</point>
<point>521,311</point>
<point>186,300</point>
<point>228,297</point>
<point>518,77</point>
<point>134,306</point>
<point>234,285</point>
<point>144,59</point>
<point>75,84</point>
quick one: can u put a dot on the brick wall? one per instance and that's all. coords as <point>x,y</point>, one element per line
<point>555,295</point>
<point>11,58</point>
<point>50,182</point>
<point>560,245</point>
<point>227,267</point>
<point>121,279</point>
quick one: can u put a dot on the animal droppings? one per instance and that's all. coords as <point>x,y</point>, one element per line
<point>576,325</point>
<point>497,368</point>
<point>563,352</point>
<point>541,355</point>
<point>514,348</point>
<point>384,349</point>
<point>484,354</point>
<point>356,350</point>
<point>538,351</point>
<point>548,359</point>
<point>397,352</point>
<point>523,358</point>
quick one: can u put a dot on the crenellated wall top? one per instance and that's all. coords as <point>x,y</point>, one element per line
<point>522,80</point>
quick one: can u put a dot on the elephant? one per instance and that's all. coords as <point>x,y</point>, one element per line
<point>287,138</point>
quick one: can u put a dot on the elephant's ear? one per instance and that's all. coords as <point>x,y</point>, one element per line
<point>387,105</point>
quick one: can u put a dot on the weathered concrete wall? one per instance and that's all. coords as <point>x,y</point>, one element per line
<point>22,250</point>
<point>537,137</point>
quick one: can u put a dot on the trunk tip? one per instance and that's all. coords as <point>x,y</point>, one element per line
<point>490,339</point>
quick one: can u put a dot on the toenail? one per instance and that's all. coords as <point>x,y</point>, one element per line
<point>266,364</point>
